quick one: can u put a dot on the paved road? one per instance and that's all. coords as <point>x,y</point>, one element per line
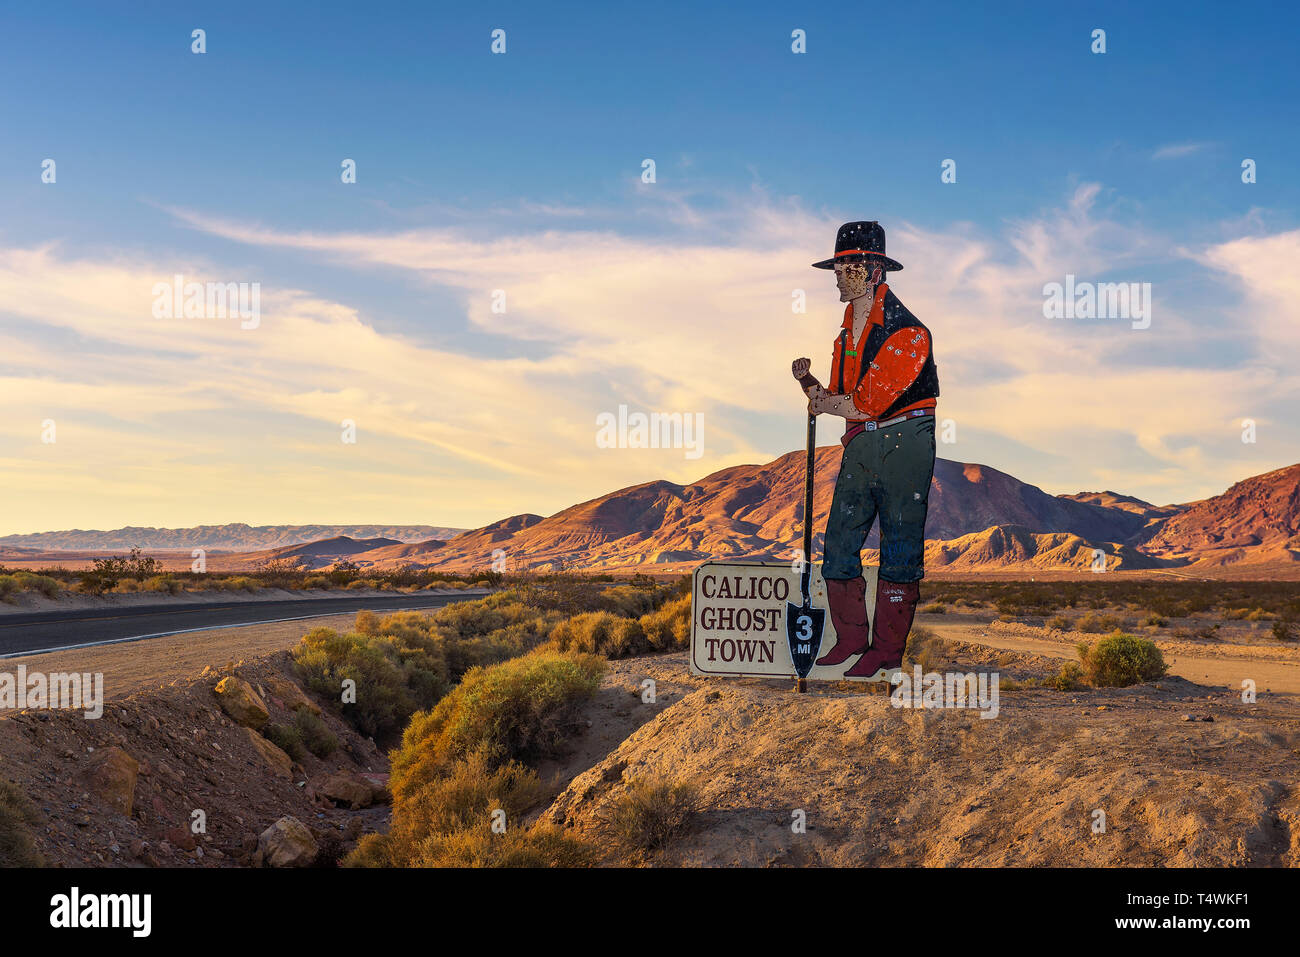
<point>36,632</point>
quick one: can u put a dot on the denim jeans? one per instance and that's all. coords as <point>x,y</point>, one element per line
<point>885,473</point>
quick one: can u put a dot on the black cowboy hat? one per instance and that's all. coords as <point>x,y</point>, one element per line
<point>860,243</point>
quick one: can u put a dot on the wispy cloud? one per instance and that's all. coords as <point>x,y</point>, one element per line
<point>1178,150</point>
<point>247,421</point>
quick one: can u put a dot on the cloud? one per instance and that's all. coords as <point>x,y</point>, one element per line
<point>1178,150</point>
<point>694,321</point>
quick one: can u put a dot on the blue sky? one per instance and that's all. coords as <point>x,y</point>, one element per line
<point>522,171</point>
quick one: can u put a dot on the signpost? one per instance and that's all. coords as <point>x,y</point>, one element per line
<point>740,612</point>
<point>743,617</point>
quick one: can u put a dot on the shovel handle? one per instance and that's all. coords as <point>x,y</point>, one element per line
<point>808,489</point>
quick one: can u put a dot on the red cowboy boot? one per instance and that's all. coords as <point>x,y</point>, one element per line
<point>895,607</point>
<point>848,601</point>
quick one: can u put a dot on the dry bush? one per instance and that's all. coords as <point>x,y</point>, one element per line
<point>519,709</point>
<point>17,816</point>
<point>649,814</point>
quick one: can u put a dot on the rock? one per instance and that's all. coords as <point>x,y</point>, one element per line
<point>379,785</point>
<point>111,774</point>
<point>281,764</point>
<point>292,696</point>
<point>342,788</point>
<point>240,701</point>
<point>180,837</point>
<point>286,843</point>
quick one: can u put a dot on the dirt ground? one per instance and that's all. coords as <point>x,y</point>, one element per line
<point>1185,774</point>
<point>1184,771</point>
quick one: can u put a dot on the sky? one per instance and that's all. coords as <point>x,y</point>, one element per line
<point>436,341</point>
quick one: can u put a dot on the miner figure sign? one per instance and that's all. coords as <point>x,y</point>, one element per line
<point>885,385</point>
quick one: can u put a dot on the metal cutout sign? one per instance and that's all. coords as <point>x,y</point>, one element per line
<point>745,621</point>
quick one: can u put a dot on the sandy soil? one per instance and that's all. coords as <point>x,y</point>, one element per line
<point>1220,665</point>
<point>1185,774</point>
<point>155,662</point>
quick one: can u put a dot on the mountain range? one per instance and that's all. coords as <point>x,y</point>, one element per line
<point>980,520</point>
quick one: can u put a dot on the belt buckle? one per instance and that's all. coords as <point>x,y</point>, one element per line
<point>870,427</point>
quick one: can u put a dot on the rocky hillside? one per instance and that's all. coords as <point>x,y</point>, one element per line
<point>234,537</point>
<point>123,790</point>
<point>1256,520</point>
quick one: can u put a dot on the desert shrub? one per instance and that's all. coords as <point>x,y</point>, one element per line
<point>9,587</point>
<point>287,738</point>
<point>47,586</point>
<point>1096,624</point>
<point>534,847</point>
<point>315,581</point>
<point>632,601</point>
<point>342,572</point>
<point>1119,660</point>
<point>1069,678</point>
<point>17,817</point>
<point>1059,622</point>
<point>600,633</point>
<point>1257,614</point>
<point>357,585</point>
<point>935,608</point>
<point>1155,621</point>
<point>1284,630</point>
<point>1235,614</point>
<point>518,709</point>
<point>649,814</point>
<point>162,583</point>
<point>314,733</point>
<point>445,821</point>
<point>668,626</point>
<point>127,586</point>
<point>926,649</point>
<point>395,676</point>
<point>236,583</point>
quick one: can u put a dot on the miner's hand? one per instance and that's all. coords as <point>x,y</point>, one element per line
<point>799,369</point>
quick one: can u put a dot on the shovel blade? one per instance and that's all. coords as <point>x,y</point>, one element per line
<point>803,630</point>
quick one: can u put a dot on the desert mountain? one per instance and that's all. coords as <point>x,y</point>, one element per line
<point>980,518</point>
<point>1256,520</point>
<point>234,537</point>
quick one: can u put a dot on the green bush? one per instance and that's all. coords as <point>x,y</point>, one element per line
<point>8,587</point>
<point>1283,630</point>
<point>395,676</point>
<point>600,633</point>
<point>1069,678</point>
<point>314,733</point>
<point>1119,660</point>
<point>286,738</point>
<point>518,709</point>
<point>1096,624</point>
<point>17,817</point>
<point>669,626</point>
<point>162,583</point>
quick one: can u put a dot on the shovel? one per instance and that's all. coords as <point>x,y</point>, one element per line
<point>804,624</point>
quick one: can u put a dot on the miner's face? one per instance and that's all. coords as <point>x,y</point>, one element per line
<point>855,279</point>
